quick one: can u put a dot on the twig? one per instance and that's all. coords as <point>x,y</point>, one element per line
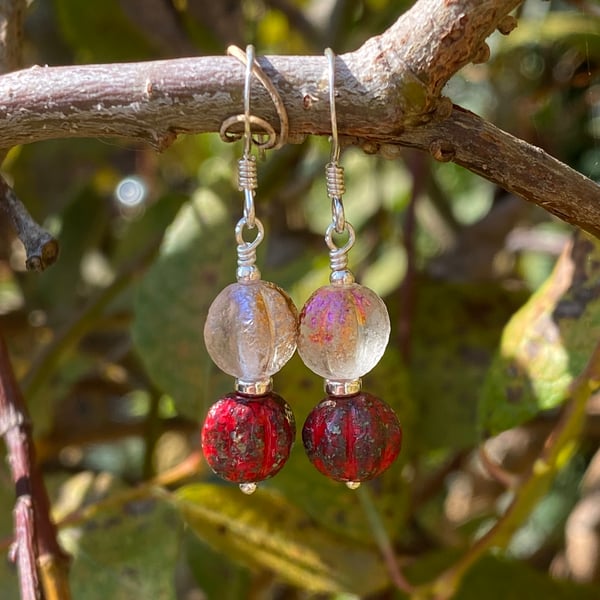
<point>185,469</point>
<point>495,471</point>
<point>560,444</point>
<point>383,541</point>
<point>35,534</point>
<point>41,247</point>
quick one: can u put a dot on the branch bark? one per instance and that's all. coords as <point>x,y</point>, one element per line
<point>388,97</point>
<point>35,544</point>
<point>40,246</point>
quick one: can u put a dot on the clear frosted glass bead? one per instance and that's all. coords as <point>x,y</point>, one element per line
<point>344,330</point>
<point>251,330</point>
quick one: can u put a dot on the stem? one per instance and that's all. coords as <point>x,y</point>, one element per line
<point>383,541</point>
<point>35,534</point>
<point>152,430</point>
<point>41,247</point>
<point>183,470</point>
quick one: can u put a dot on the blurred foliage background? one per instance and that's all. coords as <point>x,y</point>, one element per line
<point>108,342</point>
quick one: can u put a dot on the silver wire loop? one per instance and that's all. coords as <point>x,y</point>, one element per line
<point>247,270</point>
<point>338,216</point>
<point>265,127</point>
<point>338,256</point>
<point>244,247</point>
<point>273,140</point>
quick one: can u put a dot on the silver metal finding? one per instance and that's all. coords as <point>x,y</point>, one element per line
<point>247,84</point>
<point>333,171</point>
<point>343,387</point>
<point>272,139</point>
<point>338,256</point>
<point>247,271</point>
<point>247,183</point>
<point>258,387</point>
<point>335,146</point>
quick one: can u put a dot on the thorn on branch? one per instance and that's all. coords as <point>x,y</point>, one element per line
<point>40,246</point>
<point>507,24</point>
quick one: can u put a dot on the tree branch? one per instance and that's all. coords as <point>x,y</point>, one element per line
<point>511,163</point>
<point>391,82</point>
<point>40,247</point>
<point>35,543</point>
<point>388,96</point>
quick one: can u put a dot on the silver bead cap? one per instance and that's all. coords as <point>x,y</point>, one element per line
<point>254,388</point>
<point>344,387</point>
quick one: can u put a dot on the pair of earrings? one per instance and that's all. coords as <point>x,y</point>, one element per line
<point>253,329</point>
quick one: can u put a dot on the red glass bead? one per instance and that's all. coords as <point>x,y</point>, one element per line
<point>248,438</point>
<point>352,438</point>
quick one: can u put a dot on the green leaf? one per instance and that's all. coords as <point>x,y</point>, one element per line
<point>195,262</point>
<point>574,30</point>
<point>266,531</point>
<point>84,221</point>
<point>219,577</point>
<point>129,551</point>
<point>103,34</point>
<point>514,580</point>
<point>547,343</point>
<point>457,328</point>
<point>495,577</point>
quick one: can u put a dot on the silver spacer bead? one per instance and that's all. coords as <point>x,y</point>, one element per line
<point>343,387</point>
<point>247,273</point>
<point>342,277</point>
<point>352,485</point>
<point>254,388</point>
<point>248,488</point>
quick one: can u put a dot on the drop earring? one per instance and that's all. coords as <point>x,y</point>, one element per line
<point>250,333</point>
<point>344,327</point>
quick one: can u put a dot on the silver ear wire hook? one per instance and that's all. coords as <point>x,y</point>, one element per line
<point>334,172</point>
<point>338,256</point>
<point>247,85</point>
<point>273,140</point>
<point>247,173</point>
<point>335,146</point>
